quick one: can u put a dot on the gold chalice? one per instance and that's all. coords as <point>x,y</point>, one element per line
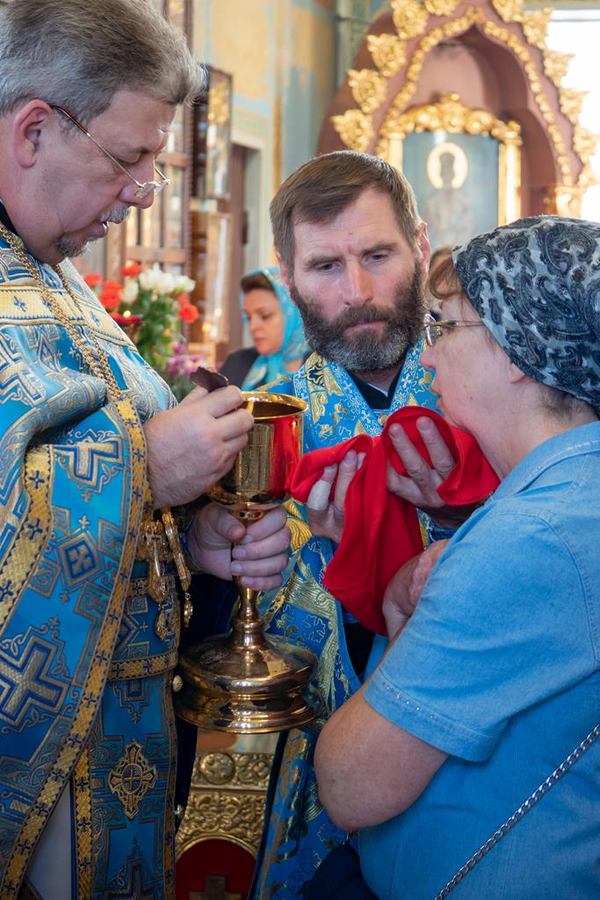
<point>243,682</point>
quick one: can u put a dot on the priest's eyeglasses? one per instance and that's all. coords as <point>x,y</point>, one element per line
<point>142,189</point>
<point>434,328</point>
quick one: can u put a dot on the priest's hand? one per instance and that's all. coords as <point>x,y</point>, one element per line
<point>325,514</point>
<point>404,590</point>
<point>192,445</point>
<point>259,554</point>
<point>420,483</point>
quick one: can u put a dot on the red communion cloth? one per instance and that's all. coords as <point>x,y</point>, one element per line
<point>381,530</point>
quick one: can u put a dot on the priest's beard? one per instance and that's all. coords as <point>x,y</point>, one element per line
<point>366,351</point>
<point>70,247</point>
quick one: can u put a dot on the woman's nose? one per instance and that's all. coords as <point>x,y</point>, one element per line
<point>427,358</point>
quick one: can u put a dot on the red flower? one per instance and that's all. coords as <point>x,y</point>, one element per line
<point>93,279</point>
<point>183,299</point>
<point>131,271</point>
<point>109,301</point>
<point>110,295</point>
<point>189,313</point>
<point>112,287</point>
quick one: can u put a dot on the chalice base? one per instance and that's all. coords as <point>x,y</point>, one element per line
<point>256,690</point>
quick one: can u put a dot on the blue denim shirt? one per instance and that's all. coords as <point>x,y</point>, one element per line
<point>499,667</point>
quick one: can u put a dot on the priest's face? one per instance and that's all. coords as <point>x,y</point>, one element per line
<point>358,285</point>
<point>80,184</point>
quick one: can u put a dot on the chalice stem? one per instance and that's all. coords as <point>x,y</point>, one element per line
<point>247,628</point>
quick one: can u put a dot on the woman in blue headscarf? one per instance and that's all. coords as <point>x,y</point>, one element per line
<point>276,328</point>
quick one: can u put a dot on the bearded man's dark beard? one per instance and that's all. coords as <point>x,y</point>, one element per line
<point>368,350</point>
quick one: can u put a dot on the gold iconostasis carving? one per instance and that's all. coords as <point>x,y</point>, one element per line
<point>382,121</point>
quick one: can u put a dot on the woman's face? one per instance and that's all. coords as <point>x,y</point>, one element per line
<point>265,320</point>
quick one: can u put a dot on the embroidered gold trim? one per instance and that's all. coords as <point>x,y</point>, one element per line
<point>34,532</point>
<point>82,801</point>
<point>132,779</point>
<point>122,669</point>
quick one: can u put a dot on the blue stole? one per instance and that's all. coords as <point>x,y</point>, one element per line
<point>84,675</point>
<point>298,832</point>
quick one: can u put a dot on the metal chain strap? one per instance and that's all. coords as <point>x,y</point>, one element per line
<point>98,363</point>
<point>520,812</point>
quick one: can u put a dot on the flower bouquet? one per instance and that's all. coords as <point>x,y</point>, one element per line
<point>150,305</point>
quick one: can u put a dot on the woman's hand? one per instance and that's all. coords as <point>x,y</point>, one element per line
<point>404,590</point>
<point>419,485</point>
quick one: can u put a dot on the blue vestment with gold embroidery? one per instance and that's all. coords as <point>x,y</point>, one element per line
<point>85,677</point>
<point>298,832</point>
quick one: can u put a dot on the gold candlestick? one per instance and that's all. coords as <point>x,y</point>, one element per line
<point>244,682</point>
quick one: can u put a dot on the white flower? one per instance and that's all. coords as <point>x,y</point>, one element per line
<point>130,291</point>
<point>183,284</point>
<point>165,283</point>
<point>155,279</point>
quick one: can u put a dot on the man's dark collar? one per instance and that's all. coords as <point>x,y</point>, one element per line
<point>376,398</point>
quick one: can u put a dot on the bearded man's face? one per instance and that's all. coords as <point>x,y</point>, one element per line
<point>370,337</point>
<point>357,281</point>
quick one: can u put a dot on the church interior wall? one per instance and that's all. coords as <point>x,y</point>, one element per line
<point>281,54</point>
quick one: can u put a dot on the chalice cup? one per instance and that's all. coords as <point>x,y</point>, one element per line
<point>243,682</point>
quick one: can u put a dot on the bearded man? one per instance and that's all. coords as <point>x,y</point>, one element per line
<point>353,253</point>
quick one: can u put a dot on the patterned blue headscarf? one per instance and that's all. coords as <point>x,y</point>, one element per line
<point>536,285</point>
<point>293,346</point>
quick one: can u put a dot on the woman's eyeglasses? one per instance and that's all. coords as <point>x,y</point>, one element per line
<point>434,328</point>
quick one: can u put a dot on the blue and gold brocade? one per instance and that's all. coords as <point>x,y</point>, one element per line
<point>84,678</point>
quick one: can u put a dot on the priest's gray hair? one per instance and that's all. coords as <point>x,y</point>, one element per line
<point>79,53</point>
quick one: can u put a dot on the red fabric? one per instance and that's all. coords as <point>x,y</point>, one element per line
<point>381,531</point>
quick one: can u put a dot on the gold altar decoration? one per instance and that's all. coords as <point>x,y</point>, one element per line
<point>411,19</point>
<point>556,66</point>
<point>226,800</point>
<point>242,682</point>
<point>571,103</point>
<point>451,115</point>
<point>388,52</point>
<point>368,88</point>
<point>441,7</point>
<point>355,129</point>
<point>564,200</point>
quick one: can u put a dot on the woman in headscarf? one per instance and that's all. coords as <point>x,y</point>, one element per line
<point>490,690</point>
<point>276,328</point>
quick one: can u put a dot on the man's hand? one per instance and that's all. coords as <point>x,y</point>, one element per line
<point>419,485</point>
<point>191,446</point>
<point>403,592</point>
<point>325,517</point>
<point>259,554</point>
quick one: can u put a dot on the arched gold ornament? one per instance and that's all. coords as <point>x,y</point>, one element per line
<point>411,17</point>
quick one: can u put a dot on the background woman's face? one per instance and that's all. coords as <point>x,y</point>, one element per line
<point>265,320</point>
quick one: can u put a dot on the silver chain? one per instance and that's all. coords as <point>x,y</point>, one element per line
<point>521,811</point>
